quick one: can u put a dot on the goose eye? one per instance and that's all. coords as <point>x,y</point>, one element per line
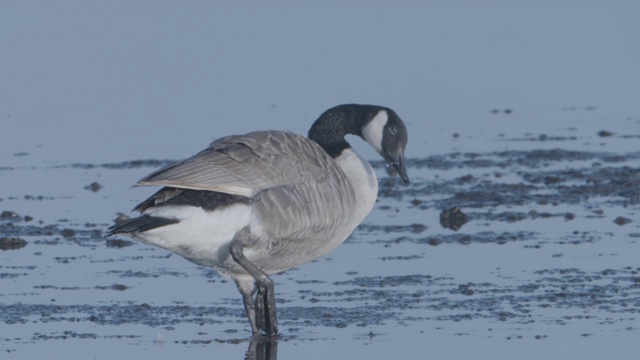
<point>393,130</point>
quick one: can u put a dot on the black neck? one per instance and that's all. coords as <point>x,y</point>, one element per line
<point>332,126</point>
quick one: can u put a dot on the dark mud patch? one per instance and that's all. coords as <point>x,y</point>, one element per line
<point>485,237</point>
<point>89,235</point>
<point>534,180</point>
<point>9,215</point>
<point>503,193</point>
<point>591,186</point>
<point>118,243</point>
<point>528,239</point>
<point>389,229</point>
<point>125,165</point>
<point>365,301</point>
<point>535,159</point>
<point>116,314</point>
<point>118,287</point>
<point>124,274</point>
<point>67,335</point>
<point>453,218</point>
<point>12,243</point>
<point>94,186</point>
<point>611,291</point>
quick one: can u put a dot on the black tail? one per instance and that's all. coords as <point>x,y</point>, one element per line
<point>140,224</point>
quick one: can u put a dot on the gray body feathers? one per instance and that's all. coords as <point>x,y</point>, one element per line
<point>300,198</point>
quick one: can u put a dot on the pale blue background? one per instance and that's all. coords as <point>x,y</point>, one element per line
<point>108,81</point>
<point>114,80</point>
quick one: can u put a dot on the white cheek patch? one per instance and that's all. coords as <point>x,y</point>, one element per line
<point>373,131</point>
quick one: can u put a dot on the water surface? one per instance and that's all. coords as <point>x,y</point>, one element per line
<point>529,131</point>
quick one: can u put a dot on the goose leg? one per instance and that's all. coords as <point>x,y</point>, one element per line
<point>265,305</point>
<point>247,289</point>
<point>260,309</point>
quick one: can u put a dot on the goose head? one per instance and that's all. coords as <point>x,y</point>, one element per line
<point>387,134</point>
<point>380,126</point>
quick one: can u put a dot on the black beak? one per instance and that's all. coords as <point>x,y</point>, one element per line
<point>396,162</point>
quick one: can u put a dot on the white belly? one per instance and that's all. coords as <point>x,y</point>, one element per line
<point>202,237</point>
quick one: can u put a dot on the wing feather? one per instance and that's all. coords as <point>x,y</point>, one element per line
<point>248,164</point>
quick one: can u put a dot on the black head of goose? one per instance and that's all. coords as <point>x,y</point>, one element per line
<point>262,203</point>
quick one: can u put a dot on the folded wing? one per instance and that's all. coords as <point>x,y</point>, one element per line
<point>248,164</point>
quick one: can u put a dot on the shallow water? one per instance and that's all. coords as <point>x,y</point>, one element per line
<point>547,177</point>
<point>546,256</point>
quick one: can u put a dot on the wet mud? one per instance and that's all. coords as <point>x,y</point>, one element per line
<point>479,200</point>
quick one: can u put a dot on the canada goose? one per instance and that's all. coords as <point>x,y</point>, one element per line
<point>259,204</point>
